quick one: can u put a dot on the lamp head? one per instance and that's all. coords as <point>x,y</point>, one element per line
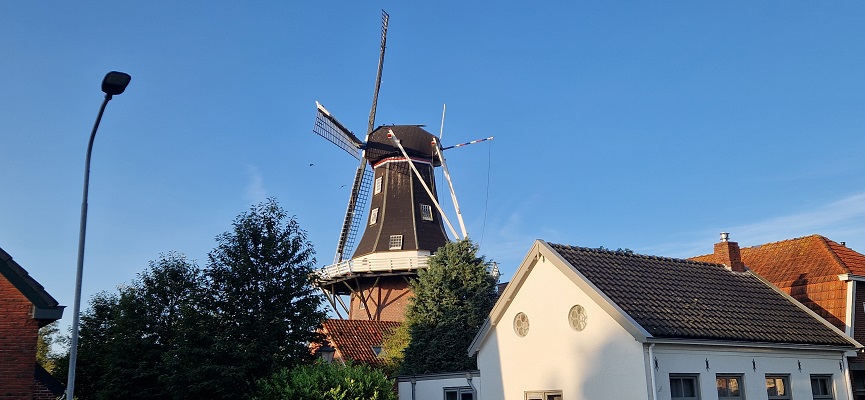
<point>115,82</point>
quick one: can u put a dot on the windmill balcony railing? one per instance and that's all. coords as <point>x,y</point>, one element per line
<point>349,267</point>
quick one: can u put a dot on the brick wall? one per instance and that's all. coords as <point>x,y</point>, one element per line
<point>18,333</point>
<point>385,302</point>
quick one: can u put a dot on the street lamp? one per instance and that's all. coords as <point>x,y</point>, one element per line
<point>326,353</point>
<point>114,83</point>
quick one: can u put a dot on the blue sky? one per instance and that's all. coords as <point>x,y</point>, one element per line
<point>647,125</point>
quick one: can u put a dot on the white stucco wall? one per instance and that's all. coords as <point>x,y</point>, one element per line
<point>431,387</point>
<point>603,361</point>
<point>752,364</point>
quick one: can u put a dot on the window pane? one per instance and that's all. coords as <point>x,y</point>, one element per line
<point>733,387</point>
<point>451,395</point>
<point>688,387</point>
<point>466,396</point>
<point>676,387</point>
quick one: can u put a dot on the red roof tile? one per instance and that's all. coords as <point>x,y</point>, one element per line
<point>354,339</point>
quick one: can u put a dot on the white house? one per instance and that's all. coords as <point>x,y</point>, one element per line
<point>578,323</point>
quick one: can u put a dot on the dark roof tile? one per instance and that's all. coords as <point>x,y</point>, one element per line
<point>684,299</point>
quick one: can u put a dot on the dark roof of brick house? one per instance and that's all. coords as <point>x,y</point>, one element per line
<point>354,339</point>
<point>47,308</point>
<point>807,268</point>
<point>48,381</point>
<point>685,299</point>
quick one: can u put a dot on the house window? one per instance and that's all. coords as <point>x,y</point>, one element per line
<point>729,387</point>
<point>544,395</point>
<point>426,212</point>
<point>459,393</point>
<point>778,387</point>
<point>373,216</point>
<point>684,387</point>
<point>377,189</point>
<point>395,242</point>
<point>821,387</point>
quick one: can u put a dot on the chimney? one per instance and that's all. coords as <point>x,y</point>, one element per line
<point>727,253</point>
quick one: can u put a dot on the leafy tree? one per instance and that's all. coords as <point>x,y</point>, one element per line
<point>266,307</point>
<point>179,332</point>
<point>327,381</point>
<point>45,355</point>
<point>394,346</point>
<point>126,339</point>
<point>452,299</point>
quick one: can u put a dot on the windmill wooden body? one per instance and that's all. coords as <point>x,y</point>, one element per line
<point>405,223</point>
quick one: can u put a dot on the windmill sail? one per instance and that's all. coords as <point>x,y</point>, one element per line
<point>356,205</point>
<point>329,128</point>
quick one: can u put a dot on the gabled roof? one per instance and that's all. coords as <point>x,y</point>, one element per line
<point>354,339</point>
<point>808,268</point>
<point>673,299</point>
<point>808,257</point>
<point>47,308</point>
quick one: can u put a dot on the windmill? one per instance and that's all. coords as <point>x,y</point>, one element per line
<point>406,222</point>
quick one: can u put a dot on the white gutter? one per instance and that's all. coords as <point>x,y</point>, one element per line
<point>847,377</point>
<point>652,371</point>
<point>848,315</point>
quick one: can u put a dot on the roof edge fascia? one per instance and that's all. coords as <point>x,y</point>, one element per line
<point>597,295</point>
<point>506,297</point>
<point>851,277</point>
<point>540,251</point>
<point>757,345</point>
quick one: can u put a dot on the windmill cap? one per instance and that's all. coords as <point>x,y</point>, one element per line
<point>416,141</point>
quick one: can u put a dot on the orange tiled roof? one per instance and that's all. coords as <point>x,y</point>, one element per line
<point>807,268</point>
<point>354,339</point>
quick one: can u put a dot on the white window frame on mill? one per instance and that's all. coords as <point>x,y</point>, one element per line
<point>373,216</point>
<point>426,213</point>
<point>395,242</point>
<point>377,189</point>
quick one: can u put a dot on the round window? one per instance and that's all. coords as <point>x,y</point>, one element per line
<point>577,317</point>
<point>521,324</point>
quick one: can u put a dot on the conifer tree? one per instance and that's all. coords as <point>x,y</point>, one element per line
<point>452,298</point>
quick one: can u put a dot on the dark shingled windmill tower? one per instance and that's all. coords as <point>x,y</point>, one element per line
<point>405,224</point>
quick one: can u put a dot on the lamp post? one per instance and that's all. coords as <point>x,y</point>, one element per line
<point>326,353</point>
<point>113,84</point>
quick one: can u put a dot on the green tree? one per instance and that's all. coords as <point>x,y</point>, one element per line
<point>327,381</point>
<point>45,354</point>
<point>266,306</point>
<point>127,338</point>
<point>452,298</point>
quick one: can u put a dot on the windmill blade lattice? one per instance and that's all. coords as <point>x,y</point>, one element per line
<point>356,206</point>
<point>329,128</point>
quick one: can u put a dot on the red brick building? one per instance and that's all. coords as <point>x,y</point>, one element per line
<point>824,275</point>
<point>25,307</point>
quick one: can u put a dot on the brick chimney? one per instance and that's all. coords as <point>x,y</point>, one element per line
<point>727,253</point>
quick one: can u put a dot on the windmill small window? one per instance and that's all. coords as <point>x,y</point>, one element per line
<point>395,242</point>
<point>377,186</point>
<point>373,216</point>
<point>426,212</point>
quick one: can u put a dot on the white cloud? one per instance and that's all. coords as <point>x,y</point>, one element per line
<point>255,191</point>
<point>840,220</point>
